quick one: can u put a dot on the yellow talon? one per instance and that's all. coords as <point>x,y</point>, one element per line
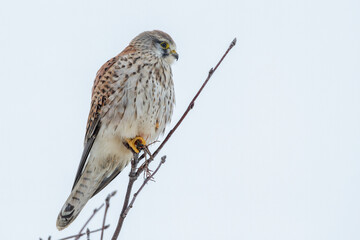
<point>133,142</point>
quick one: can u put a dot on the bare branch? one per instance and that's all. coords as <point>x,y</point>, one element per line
<point>107,205</point>
<point>82,234</point>
<point>87,222</point>
<point>132,178</point>
<point>147,179</point>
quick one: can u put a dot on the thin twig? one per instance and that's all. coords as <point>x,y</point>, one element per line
<point>97,230</point>
<point>191,105</point>
<point>147,179</point>
<point>132,178</point>
<point>94,212</point>
<point>107,205</point>
<point>87,234</point>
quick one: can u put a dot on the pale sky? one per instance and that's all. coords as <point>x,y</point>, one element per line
<point>270,151</point>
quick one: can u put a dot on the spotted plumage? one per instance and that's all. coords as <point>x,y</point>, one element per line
<point>133,95</point>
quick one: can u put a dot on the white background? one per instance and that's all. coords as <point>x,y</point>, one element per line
<point>270,151</point>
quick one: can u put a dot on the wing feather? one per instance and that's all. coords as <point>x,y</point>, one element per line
<point>99,99</point>
<point>106,181</point>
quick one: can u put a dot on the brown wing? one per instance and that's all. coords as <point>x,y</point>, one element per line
<point>98,100</point>
<point>100,95</point>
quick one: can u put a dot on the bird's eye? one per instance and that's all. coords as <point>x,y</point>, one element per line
<point>164,45</point>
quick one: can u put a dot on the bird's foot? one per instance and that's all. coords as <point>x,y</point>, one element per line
<point>148,172</point>
<point>136,144</point>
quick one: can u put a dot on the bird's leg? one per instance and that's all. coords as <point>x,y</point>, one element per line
<point>136,144</point>
<point>147,171</point>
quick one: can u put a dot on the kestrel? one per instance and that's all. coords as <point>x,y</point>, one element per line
<point>132,101</point>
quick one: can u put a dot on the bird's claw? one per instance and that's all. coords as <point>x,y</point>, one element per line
<point>148,172</point>
<point>136,144</point>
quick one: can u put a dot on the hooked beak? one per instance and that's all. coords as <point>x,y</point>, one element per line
<point>174,54</point>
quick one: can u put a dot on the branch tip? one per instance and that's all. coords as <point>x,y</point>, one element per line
<point>110,196</point>
<point>233,43</point>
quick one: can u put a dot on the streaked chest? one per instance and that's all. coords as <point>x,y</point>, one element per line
<point>144,96</point>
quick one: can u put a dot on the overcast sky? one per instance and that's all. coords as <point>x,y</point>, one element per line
<point>270,151</point>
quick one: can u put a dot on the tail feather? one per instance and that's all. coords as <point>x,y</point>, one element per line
<point>79,196</point>
<point>108,159</point>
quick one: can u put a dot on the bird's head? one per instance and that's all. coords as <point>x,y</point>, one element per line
<point>157,43</point>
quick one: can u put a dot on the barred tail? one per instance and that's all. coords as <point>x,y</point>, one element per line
<point>80,195</point>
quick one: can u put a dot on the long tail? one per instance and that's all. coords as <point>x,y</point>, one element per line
<point>80,195</point>
<point>98,172</point>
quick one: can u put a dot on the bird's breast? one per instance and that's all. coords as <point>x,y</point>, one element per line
<point>143,100</point>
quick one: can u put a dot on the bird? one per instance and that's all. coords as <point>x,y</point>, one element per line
<point>132,101</point>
